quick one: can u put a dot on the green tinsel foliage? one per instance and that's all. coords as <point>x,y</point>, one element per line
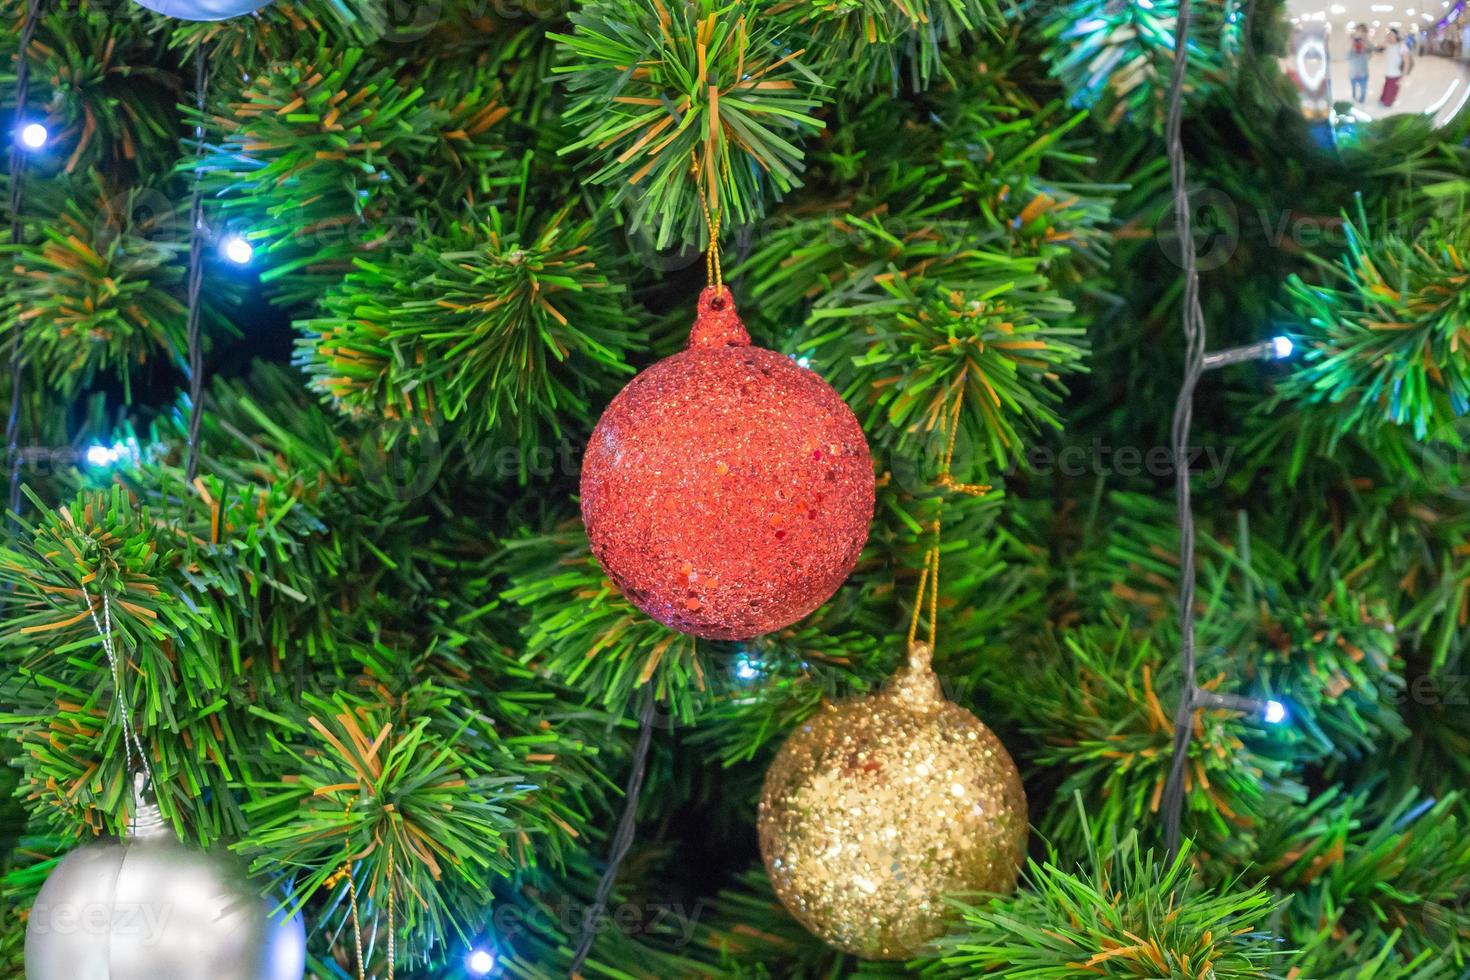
<point>1395,521</point>
<point>1321,646</point>
<point>867,45</point>
<point>319,147</point>
<point>994,181</point>
<point>599,643</point>
<point>96,84</point>
<point>1373,872</point>
<point>1311,608</point>
<point>101,290</point>
<point>101,556</point>
<point>946,270</point>
<point>511,324</point>
<point>1331,954</point>
<point>203,587</point>
<point>1116,58</point>
<point>1099,705</point>
<point>973,349</point>
<point>685,105</point>
<point>469,151</point>
<point>410,792</point>
<point>1035,188</point>
<point>1336,665</point>
<point>976,328</point>
<point>1126,913</point>
<point>1386,338</point>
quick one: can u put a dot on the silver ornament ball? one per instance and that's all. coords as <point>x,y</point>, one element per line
<point>203,9</point>
<point>149,908</point>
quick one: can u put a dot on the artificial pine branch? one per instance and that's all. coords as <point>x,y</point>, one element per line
<point>97,84</point>
<point>1120,913</point>
<point>1116,58</point>
<point>100,291</point>
<point>688,101</point>
<point>508,323</point>
<point>1385,335</point>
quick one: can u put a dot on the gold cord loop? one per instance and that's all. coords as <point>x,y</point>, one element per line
<point>946,478</point>
<point>712,267</point>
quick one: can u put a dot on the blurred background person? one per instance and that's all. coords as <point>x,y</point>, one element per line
<point>1394,57</point>
<point>1359,48</point>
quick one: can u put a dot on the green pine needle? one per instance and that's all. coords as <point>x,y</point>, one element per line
<point>696,99</point>
<point>510,324</point>
<point>1125,913</point>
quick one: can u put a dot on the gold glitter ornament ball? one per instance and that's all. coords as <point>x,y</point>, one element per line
<point>878,808</point>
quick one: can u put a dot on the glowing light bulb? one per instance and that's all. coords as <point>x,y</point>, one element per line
<point>480,962</point>
<point>747,668</point>
<point>100,455</point>
<point>1282,347</point>
<point>1275,712</point>
<point>237,250</point>
<point>33,136</point>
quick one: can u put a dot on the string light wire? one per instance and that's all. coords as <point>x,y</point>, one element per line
<point>1193,321</point>
<point>623,838</point>
<point>196,275</point>
<point>17,232</point>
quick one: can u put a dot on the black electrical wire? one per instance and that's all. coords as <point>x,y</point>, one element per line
<point>17,232</point>
<point>196,276</point>
<point>623,839</point>
<point>1193,320</point>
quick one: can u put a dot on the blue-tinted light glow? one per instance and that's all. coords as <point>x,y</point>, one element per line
<point>1275,712</point>
<point>237,250</point>
<point>1282,347</point>
<point>34,136</point>
<point>480,962</point>
<point>100,455</point>
<point>747,668</point>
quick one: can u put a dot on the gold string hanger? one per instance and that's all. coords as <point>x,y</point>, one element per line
<point>928,578</point>
<point>712,220</point>
<point>346,872</point>
<point>946,477</point>
<point>929,575</point>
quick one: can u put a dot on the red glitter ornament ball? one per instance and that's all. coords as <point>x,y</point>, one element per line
<point>727,490</point>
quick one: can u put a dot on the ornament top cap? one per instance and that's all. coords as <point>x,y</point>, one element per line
<point>717,324</point>
<point>915,685</point>
<point>147,817</point>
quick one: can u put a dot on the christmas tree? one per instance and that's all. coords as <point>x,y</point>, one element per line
<point>310,311</point>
